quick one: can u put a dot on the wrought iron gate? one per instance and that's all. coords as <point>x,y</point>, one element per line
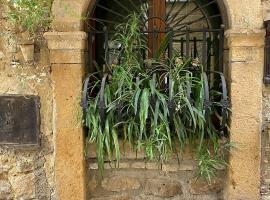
<point>194,29</point>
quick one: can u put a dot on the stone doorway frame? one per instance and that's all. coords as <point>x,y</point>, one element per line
<point>245,41</point>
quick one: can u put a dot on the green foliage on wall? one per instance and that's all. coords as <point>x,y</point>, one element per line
<point>30,15</point>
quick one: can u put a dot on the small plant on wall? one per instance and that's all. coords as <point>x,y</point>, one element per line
<point>158,105</point>
<point>27,20</point>
<point>30,15</point>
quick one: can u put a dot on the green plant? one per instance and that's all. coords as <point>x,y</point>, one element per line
<point>30,15</point>
<point>148,104</point>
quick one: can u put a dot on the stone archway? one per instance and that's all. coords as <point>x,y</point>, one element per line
<point>245,38</point>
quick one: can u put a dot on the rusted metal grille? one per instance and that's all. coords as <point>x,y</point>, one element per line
<point>19,120</point>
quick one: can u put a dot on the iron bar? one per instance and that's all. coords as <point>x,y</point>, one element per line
<point>170,19</point>
<point>187,41</point>
<point>209,55</point>
<point>90,51</point>
<point>106,45</point>
<point>182,47</point>
<point>110,10</point>
<point>195,47</point>
<point>170,11</point>
<point>221,46</point>
<point>204,50</point>
<point>193,11</point>
<point>170,48</point>
<point>195,21</point>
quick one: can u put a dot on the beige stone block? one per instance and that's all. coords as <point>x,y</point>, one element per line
<point>67,57</point>
<point>138,165</point>
<point>163,188</point>
<point>69,164</point>
<point>66,40</point>
<point>67,80</point>
<point>23,186</point>
<point>70,15</point>
<point>238,39</point>
<point>200,186</point>
<point>170,167</point>
<point>114,197</point>
<point>245,14</point>
<point>120,183</point>
<point>153,165</point>
<point>247,54</point>
<point>93,166</point>
<point>187,165</point>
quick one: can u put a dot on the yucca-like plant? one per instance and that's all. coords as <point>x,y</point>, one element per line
<point>152,107</point>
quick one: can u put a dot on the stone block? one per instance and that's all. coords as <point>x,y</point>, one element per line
<point>238,39</point>
<point>5,190</point>
<point>138,165</point>
<point>187,165</point>
<point>66,40</point>
<point>67,88</point>
<point>147,197</point>
<point>67,56</point>
<point>153,165</point>
<point>120,183</point>
<point>92,184</point>
<point>173,167</point>
<point>93,166</point>
<point>23,186</point>
<point>24,166</point>
<point>114,197</point>
<point>199,186</point>
<point>163,187</point>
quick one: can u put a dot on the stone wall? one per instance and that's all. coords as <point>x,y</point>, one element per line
<point>265,134</point>
<point>138,179</point>
<point>265,150</point>
<point>26,173</point>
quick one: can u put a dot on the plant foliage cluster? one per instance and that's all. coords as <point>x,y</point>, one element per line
<point>30,15</point>
<point>157,105</point>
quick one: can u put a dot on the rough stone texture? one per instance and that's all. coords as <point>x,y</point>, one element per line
<point>265,138</point>
<point>153,184</point>
<point>199,186</point>
<point>120,183</point>
<point>5,190</point>
<point>26,173</point>
<point>163,187</point>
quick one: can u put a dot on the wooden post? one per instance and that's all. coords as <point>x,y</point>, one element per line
<point>156,24</point>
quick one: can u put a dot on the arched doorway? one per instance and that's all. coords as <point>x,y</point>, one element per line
<point>243,22</point>
<point>195,30</point>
